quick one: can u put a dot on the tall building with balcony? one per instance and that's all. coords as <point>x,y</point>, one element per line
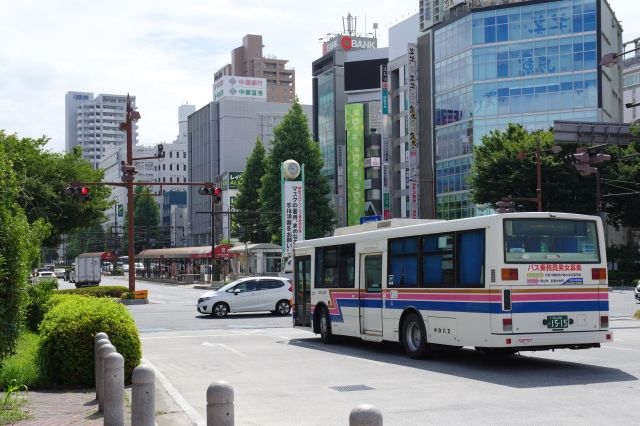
<point>249,61</point>
<point>93,123</point>
<point>499,62</point>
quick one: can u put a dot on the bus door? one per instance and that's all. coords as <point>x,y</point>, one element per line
<point>370,290</point>
<point>302,291</point>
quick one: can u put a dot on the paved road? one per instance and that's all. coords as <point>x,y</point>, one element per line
<point>286,376</point>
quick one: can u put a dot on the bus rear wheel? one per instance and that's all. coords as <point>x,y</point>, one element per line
<point>324,324</point>
<point>414,337</point>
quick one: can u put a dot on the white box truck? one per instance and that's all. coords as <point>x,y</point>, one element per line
<point>87,270</point>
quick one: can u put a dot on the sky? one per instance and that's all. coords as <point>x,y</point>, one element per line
<point>165,52</point>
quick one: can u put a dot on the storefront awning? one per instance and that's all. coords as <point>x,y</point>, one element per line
<point>200,252</point>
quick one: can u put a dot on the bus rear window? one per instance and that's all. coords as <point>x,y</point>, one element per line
<point>550,240</point>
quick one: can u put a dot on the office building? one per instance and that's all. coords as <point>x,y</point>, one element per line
<point>631,98</point>
<point>221,135</point>
<point>496,62</point>
<point>330,87</point>
<point>249,61</point>
<point>93,123</point>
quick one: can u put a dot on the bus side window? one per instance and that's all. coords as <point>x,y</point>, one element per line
<point>471,258</point>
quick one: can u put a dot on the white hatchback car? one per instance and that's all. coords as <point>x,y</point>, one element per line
<point>248,295</point>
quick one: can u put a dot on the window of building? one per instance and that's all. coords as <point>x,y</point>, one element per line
<point>184,154</point>
<point>170,154</point>
<point>184,167</point>
<point>163,166</point>
<point>335,266</point>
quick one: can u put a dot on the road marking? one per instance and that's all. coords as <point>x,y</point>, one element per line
<point>194,417</point>
<point>621,349</point>
<point>223,346</point>
<point>223,333</point>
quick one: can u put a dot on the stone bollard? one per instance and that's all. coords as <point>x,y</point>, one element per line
<point>220,404</point>
<point>99,342</point>
<point>102,354</point>
<point>114,390</point>
<point>143,396</point>
<point>365,415</point>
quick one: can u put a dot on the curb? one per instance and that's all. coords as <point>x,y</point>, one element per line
<point>134,301</point>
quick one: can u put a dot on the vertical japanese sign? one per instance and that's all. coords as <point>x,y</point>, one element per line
<point>412,96</point>
<point>386,137</point>
<point>384,88</point>
<point>354,123</point>
<point>293,218</point>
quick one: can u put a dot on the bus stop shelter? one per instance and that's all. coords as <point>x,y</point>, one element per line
<point>257,258</point>
<point>184,264</point>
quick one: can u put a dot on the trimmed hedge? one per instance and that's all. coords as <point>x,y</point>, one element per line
<point>38,295</point>
<point>67,332</point>
<point>104,291</point>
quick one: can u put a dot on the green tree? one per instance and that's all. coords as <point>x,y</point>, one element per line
<point>249,222</point>
<point>498,172</point>
<point>146,219</point>
<point>19,249</point>
<point>42,177</point>
<point>293,141</point>
<point>623,177</point>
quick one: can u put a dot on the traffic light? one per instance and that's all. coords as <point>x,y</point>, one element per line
<point>82,192</point>
<point>215,192</point>
<point>128,172</point>
<point>506,205</point>
<point>217,195</point>
<point>583,159</point>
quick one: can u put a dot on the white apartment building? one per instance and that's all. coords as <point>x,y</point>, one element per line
<point>93,123</point>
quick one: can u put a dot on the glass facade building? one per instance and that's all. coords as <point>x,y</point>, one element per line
<point>529,64</point>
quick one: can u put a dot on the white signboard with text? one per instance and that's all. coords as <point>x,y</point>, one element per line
<point>240,87</point>
<point>293,213</point>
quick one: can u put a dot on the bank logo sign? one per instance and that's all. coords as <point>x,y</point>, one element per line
<point>240,87</point>
<point>345,42</point>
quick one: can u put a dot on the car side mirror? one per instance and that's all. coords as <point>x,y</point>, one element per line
<point>236,291</point>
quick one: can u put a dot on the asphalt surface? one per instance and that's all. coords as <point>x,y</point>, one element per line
<point>287,376</point>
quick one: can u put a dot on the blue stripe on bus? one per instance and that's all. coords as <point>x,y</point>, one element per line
<point>560,306</point>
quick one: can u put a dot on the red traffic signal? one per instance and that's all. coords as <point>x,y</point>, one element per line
<point>82,192</point>
<point>215,192</point>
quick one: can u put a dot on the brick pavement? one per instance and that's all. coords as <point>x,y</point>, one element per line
<point>71,407</point>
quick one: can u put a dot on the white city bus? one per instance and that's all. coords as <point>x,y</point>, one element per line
<point>509,282</point>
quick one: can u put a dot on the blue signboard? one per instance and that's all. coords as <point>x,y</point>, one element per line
<point>365,219</point>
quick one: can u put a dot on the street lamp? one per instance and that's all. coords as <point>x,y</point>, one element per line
<point>522,155</point>
<point>614,58</point>
<point>632,104</point>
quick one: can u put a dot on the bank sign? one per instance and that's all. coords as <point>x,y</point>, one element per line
<point>345,42</point>
<point>240,87</point>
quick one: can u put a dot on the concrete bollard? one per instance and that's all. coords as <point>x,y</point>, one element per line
<point>114,390</point>
<point>143,396</point>
<point>365,415</point>
<point>220,404</point>
<point>102,354</point>
<point>96,365</point>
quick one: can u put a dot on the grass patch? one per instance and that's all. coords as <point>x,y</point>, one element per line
<point>12,412</point>
<point>23,365</point>
<point>637,315</point>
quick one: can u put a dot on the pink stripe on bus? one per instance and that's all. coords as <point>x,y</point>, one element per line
<point>558,296</point>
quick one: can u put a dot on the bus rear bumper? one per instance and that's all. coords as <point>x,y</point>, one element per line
<point>546,341</point>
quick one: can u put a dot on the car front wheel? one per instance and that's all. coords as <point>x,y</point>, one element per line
<point>283,308</point>
<point>220,310</point>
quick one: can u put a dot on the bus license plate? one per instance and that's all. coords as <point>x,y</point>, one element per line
<point>557,321</point>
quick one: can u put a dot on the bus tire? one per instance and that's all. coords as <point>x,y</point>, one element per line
<point>324,325</point>
<point>414,337</point>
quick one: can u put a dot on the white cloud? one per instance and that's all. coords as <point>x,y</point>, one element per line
<point>164,52</point>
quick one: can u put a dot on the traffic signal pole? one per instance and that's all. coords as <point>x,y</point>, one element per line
<point>131,250</point>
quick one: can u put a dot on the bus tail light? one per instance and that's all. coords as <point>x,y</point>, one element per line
<point>604,321</point>
<point>507,324</point>
<point>599,273</point>
<point>509,274</point>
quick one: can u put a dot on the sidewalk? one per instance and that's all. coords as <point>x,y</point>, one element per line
<point>79,407</point>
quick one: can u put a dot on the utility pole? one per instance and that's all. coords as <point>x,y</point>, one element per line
<point>128,127</point>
